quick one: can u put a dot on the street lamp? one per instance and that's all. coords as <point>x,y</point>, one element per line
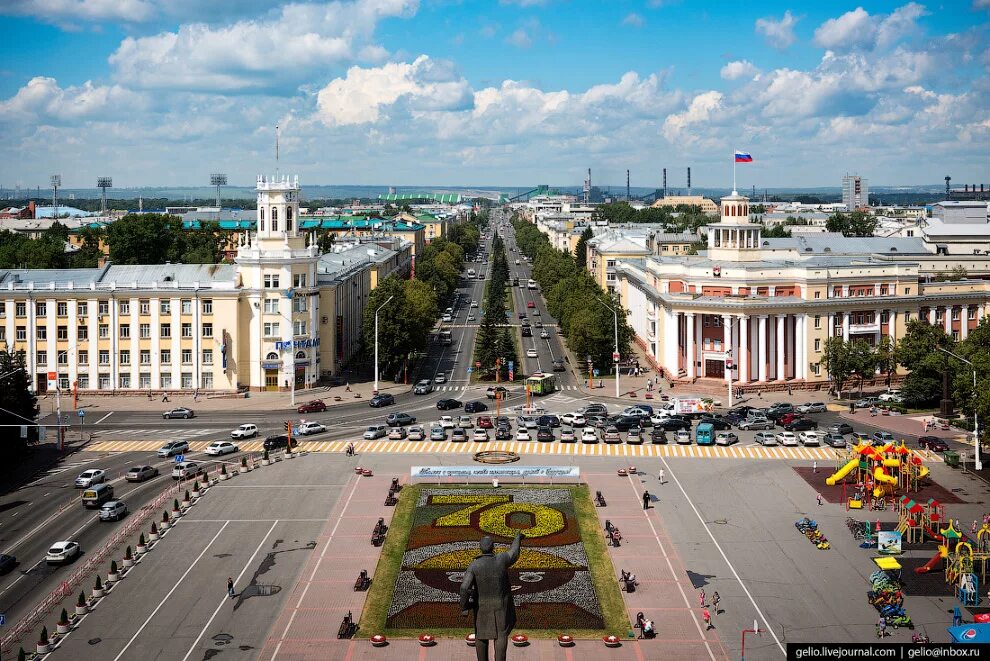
<point>615,356</point>
<point>977,462</point>
<point>376,338</point>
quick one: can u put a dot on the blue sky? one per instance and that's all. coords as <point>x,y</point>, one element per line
<point>501,92</point>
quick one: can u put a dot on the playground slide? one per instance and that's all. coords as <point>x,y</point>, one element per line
<point>842,472</point>
<point>923,472</point>
<point>881,476</point>
<point>931,565</point>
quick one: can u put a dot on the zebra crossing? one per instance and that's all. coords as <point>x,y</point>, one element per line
<point>520,447</point>
<point>163,434</point>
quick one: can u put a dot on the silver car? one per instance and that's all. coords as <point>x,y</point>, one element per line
<point>113,510</point>
<point>766,438</point>
<point>756,423</point>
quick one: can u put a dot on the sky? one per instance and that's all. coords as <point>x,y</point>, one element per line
<point>494,92</point>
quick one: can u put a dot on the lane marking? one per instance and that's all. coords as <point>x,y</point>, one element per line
<point>103,418</point>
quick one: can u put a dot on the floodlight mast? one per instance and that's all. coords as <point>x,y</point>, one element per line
<point>56,180</point>
<point>103,183</point>
<point>218,179</point>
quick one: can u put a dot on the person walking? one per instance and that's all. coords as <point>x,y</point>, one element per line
<point>662,477</point>
<point>701,597</point>
<point>230,587</point>
<point>814,467</point>
<point>646,500</point>
<point>819,499</point>
<point>707,617</point>
<point>715,602</point>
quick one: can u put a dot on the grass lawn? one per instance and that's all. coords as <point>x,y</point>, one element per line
<point>374,616</point>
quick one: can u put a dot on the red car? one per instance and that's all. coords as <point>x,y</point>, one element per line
<point>485,422</point>
<point>788,418</point>
<point>315,406</point>
<point>531,304</point>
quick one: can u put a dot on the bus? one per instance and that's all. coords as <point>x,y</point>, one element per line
<point>446,337</point>
<point>705,434</point>
<point>541,384</point>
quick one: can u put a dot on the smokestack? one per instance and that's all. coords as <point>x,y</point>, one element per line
<point>665,182</point>
<point>628,197</point>
<point>947,189</point>
<point>689,181</point>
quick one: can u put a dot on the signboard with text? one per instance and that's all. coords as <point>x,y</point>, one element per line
<point>488,472</point>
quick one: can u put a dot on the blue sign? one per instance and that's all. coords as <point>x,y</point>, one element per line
<point>470,369</point>
<point>81,413</point>
<point>179,458</point>
<point>596,371</point>
<point>3,619</point>
<point>512,366</point>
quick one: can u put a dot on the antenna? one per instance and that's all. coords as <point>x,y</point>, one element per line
<point>103,183</point>
<point>665,182</point>
<point>56,180</point>
<point>276,149</point>
<point>218,179</point>
<point>627,186</point>
<point>689,182</point>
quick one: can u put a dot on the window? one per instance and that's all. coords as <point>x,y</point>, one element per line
<point>207,356</point>
<point>208,306</point>
<point>145,357</point>
<point>718,345</point>
<point>955,314</point>
<point>207,330</point>
<point>124,381</point>
<point>186,306</point>
<point>939,315</point>
<point>63,381</point>
<point>907,291</point>
<point>837,292</point>
<point>124,307</point>
<point>271,329</point>
<point>82,332</point>
<point>104,330</point>
<point>104,357</point>
<point>62,358</point>
<point>271,281</point>
<point>144,381</point>
<point>299,328</point>
<point>82,309</point>
<point>186,356</point>
<point>288,220</point>
<point>884,290</point>
<point>817,369</point>
<point>42,332</point>
<point>717,322</point>
<point>62,309</point>
<point>818,294</point>
<point>125,332</point>
<point>41,358</point>
<point>708,320</point>
<point>20,333</point>
<point>206,380</point>
<point>104,307</point>
<point>165,307</point>
<point>166,357</point>
<point>299,280</point>
<point>955,335</point>
<point>907,317</point>
<point>186,330</point>
<point>83,381</point>
<point>818,344</point>
<point>3,309</point>
<point>83,357</point>
<point>884,317</point>
<point>144,331</point>
<point>165,330</point>
<point>271,356</point>
<point>125,357</point>
<point>299,304</point>
<point>187,380</point>
<point>818,321</point>
<point>104,382</point>
<point>271,306</point>
<point>3,334</point>
<point>166,381</point>
<point>20,309</point>
<point>62,332</point>
<point>971,314</point>
<point>40,309</point>
<point>144,306</point>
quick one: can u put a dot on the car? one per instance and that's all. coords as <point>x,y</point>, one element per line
<point>544,334</point>
<point>375,431</point>
<point>787,438</point>
<point>140,473</point>
<point>90,477</point>
<point>522,434</point>
<point>575,419</point>
<point>465,422</point>
<point>447,422</point>
<point>866,402</point>
<point>674,423</point>
<point>683,437</point>
<point>809,438</point>
<point>446,319</point>
<point>416,434</point>
<point>309,428</point>
<point>173,448</point>
<point>755,423</point>
<point>558,365</point>
<point>861,438</point>
<point>596,421</point>
<point>776,413</point>
<point>475,407</point>
<point>742,412</point>
<point>503,434</point>
<point>448,404</point>
<point>485,422</point>
<point>716,421</point>
<point>893,396</point>
<point>812,407</point>
<point>440,378</point>
<point>380,400</point>
<point>726,438</point>
<point>595,409</point>
<point>7,563</point>
<point>526,421</point>
<point>245,431</point>
<point>933,443</point>
<point>423,387</point>
<point>180,412</point>
<point>841,428</point>
<point>788,418</point>
<point>458,435</point>
<point>531,353</point>
<point>626,422</point>
<point>639,411</point>
<point>474,304</point>
<point>184,470</point>
<point>801,424</point>
<point>568,436</point>
<point>765,438</point>
<point>113,510</point>
<point>522,315</point>
<point>549,420</point>
<point>589,435</point>
<point>659,416</point>
<point>480,435</point>
<point>400,420</point>
<point>62,552</point>
<point>635,436</point>
<point>536,313</point>
<point>497,392</point>
<point>314,406</point>
<point>438,433</point>
<point>834,440</point>
<point>217,448</point>
<point>527,331</point>
<point>882,438</point>
<point>530,305</point>
<point>544,434</point>
<point>471,317</point>
<point>658,436</point>
<point>502,421</point>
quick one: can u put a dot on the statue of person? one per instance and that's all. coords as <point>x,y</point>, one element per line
<point>486,591</point>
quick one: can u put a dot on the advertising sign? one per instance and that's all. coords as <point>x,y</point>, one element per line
<point>889,542</point>
<point>503,472</point>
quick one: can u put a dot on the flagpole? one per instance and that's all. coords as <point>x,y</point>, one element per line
<point>733,172</point>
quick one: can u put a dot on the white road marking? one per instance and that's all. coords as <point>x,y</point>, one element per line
<point>103,418</point>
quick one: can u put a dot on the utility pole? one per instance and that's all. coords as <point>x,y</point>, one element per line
<point>615,354</point>
<point>977,461</point>
<point>376,339</point>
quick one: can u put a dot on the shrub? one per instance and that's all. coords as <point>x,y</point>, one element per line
<point>43,638</point>
<point>81,601</point>
<point>128,554</point>
<point>63,619</point>
<point>113,566</point>
<point>188,497</point>
<point>141,541</point>
<point>99,583</point>
<point>154,528</point>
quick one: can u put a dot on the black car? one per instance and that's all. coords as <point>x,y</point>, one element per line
<point>933,443</point>
<point>544,433</point>
<point>548,420</point>
<point>448,404</point>
<point>503,434</point>
<point>7,563</point>
<point>625,422</point>
<point>801,424</point>
<point>716,421</point>
<point>841,428</point>
<point>527,331</point>
<point>381,400</point>
<point>278,442</point>
<point>399,419</point>
<point>558,365</point>
<point>741,411</point>
<point>475,407</point>
<point>673,423</point>
<point>778,411</point>
<point>658,436</point>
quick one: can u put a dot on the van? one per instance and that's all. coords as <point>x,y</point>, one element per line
<point>97,495</point>
<point>705,434</point>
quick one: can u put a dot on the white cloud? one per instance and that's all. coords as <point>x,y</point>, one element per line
<point>62,11</point>
<point>700,111</point>
<point>257,54</point>
<point>739,69</point>
<point>778,34</point>
<point>41,100</point>
<point>857,29</point>
<point>981,4</point>
<point>633,19</point>
<point>520,38</point>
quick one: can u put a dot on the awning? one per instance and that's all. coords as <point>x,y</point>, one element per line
<point>887,564</point>
<point>970,633</point>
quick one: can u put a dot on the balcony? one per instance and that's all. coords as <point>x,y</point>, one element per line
<point>862,329</point>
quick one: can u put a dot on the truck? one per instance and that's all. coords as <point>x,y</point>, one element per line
<point>689,405</point>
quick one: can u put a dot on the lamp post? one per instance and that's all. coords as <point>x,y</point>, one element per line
<point>615,356</point>
<point>977,461</point>
<point>376,339</point>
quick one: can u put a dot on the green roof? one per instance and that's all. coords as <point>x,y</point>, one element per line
<point>443,198</point>
<point>358,223</point>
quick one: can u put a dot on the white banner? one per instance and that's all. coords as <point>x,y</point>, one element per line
<point>503,472</point>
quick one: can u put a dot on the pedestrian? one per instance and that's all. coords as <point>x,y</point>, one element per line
<point>882,627</point>
<point>662,477</point>
<point>164,396</point>
<point>715,601</point>
<point>707,617</point>
<point>601,383</point>
<point>814,467</point>
<point>819,499</point>
<point>230,587</point>
<point>646,500</point>
<point>702,597</point>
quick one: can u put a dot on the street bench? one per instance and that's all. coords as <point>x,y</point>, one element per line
<point>347,627</point>
<point>363,581</point>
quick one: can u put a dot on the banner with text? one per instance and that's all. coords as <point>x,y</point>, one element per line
<point>502,472</point>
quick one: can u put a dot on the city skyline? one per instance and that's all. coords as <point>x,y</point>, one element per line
<point>471,94</point>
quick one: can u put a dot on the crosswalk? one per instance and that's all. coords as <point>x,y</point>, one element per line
<point>164,434</point>
<point>521,447</point>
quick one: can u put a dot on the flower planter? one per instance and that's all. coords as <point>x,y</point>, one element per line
<point>44,648</point>
<point>565,641</point>
<point>163,526</point>
<point>242,469</point>
<point>224,476</point>
<point>128,563</point>
<point>520,640</point>
<point>176,514</point>
<point>426,640</point>
<point>611,641</point>
<point>153,536</point>
<point>379,640</point>
<point>185,504</point>
<point>82,610</point>
<point>63,629</point>
<point>470,640</point>
<point>99,593</point>
<point>142,549</point>
<point>196,493</point>
<point>266,462</point>
<point>113,577</point>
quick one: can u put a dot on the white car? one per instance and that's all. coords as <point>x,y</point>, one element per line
<point>446,421</point>
<point>474,304</point>
<point>88,478</point>
<point>62,552</point>
<point>567,436</point>
<point>480,435</point>
<point>544,334</point>
<point>416,434</point>
<point>446,319</point>
<point>531,353</point>
<point>787,438</point>
<point>245,431</point>
<point>659,416</point>
<point>522,434</point>
<point>217,448</point>
<point>766,438</point>
<point>726,438</point>
<point>465,422</point>
<point>471,317</point>
<point>812,407</point>
<point>307,428</point>
<point>184,469</point>
<point>396,433</point>
<point>635,410</point>
<point>577,419</point>
<point>440,378</point>
<point>589,435</point>
<point>894,397</point>
<point>683,437</point>
<point>809,438</point>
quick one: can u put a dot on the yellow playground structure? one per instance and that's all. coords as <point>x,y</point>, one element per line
<point>882,470</point>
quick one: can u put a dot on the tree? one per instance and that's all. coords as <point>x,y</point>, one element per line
<point>885,355</point>
<point>918,351</point>
<point>857,223</point>
<point>862,361</point>
<point>325,240</point>
<point>836,361</point>
<point>18,406</point>
<point>394,339</point>
<point>581,249</point>
<point>147,238</point>
<point>776,232</point>
<point>957,273</point>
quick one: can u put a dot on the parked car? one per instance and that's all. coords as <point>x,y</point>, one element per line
<point>841,428</point>
<point>548,419</point>
<point>809,438</point>
<point>62,552</point>
<point>779,412</point>
<point>527,421</point>
<point>416,434</point>
<point>788,418</point>
<point>485,422</point>
<point>589,435</point>
<point>658,436</point>
<point>787,438</point>
<point>113,510</point>
<point>544,434</point>
<point>380,400</point>
<point>765,438</point>
<point>891,396</point>
<point>755,423</point>
<point>399,419</point>
<point>716,421</point>
<point>90,477</point>
<point>480,435</point>
<point>423,387</point>
<point>184,470</point>
<point>812,407</point>
<point>245,431</point>
<point>522,434</point>
<point>834,440</point>
<point>180,412</point>
<point>458,435</point>
<point>801,424</point>
<point>683,437</point>
<point>861,438</point>
<point>375,431</point>
<point>674,423</point>
<point>503,433</point>
<point>314,406</point>
<point>613,435</point>
<point>595,409</point>
<point>625,422</point>
<point>396,433</point>
<point>447,422</point>
<point>448,404</point>
<point>726,438</point>
<point>635,436</point>
<point>140,473</point>
<point>568,436</point>
<point>475,407</point>
<point>866,402</point>
<point>933,443</point>
<point>882,438</point>
<point>173,448</point>
<point>217,448</point>
<point>639,411</point>
<point>438,434</point>
<point>497,392</point>
<point>7,563</point>
<point>465,422</point>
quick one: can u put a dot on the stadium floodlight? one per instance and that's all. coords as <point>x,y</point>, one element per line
<point>218,179</point>
<point>56,180</point>
<point>103,183</point>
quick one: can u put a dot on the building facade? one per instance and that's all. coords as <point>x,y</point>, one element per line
<point>855,192</point>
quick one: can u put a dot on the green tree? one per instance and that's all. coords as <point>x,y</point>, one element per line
<point>836,361</point>
<point>394,337</point>
<point>857,223</point>
<point>885,355</point>
<point>862,361</point>
<point>918,351</point>
<point>18,406</point>
<point>147,238</point>
<point>777,231</point>
<point>581,249</point>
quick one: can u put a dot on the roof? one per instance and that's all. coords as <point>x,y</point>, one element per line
<point>49,212</point>
<point>675,237</point>
<point>443,198</point>
<point>837,244</point>
<point>938,228</point>
<point>186,274</point>
<point>358,223</point>
<point>44,278</point>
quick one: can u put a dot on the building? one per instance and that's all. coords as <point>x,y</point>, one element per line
<point>855,192</point>
<point>608,249</point>
<point>706,205</point>
<point>970,212</point>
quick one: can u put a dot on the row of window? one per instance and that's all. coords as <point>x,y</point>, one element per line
<point>144,381</point>
<point>103,307</point>
<point>82,332</point>
<point>299,304</point>
<point>165,356</point>
<point>271,329</point>
<point>271,280</point>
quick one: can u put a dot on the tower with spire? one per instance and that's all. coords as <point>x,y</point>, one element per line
<point>734,237</point>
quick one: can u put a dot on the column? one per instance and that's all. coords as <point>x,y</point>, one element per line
<point>964,325</point>
<point>931,315</point>
<point>761,347</point>
<point>780,346</point>
<point>845,326</point>
<point>948,320</point>
<point>670,342</point>
<point>690,338</point>
<point>727,344</point>
<point>892,325</point>
<point>744,349</point>
<point>799,347</point>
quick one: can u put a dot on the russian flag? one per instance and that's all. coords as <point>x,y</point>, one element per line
<point>743,157</point>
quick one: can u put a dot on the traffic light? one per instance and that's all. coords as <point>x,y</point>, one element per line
<point>288,426</point>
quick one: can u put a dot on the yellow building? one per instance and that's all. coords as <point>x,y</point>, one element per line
<point>610,248</point>
<point>707,206</point>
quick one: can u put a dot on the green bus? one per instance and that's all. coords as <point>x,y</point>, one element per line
<point>541,384</point>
